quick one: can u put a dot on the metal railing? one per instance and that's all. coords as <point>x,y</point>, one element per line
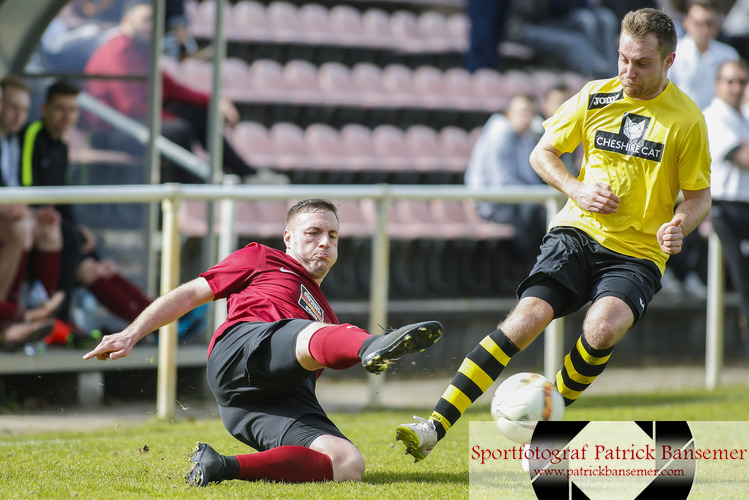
<point>171,195</point>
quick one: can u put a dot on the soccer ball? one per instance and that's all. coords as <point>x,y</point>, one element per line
<point>521,401</point>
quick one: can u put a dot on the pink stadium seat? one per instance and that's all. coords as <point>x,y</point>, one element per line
<point>289,145</point>
<point>455,147</point>
<point>324,147</point>
<point>460,220</point>
<point>489,88</point>
<point>459,85</point>
<point>236,76</point>
<point>390,146</point>
<point>202,18</point>
<point>423,144</point>
<point>284,21</point>
<point>335,82</point>
<point>398,82</point>
<point>457,28</point>
<point>248,22</point>
<point>261,218</point>
<point>267,81</point>
<point>192,218</point>
<point>405,30</point>
<point>376,28</point>
<point>315,24</point>
<point>433,29</point>
<point>367,78</point>
<point>346,25</point>
<point>252,142</point>
<point>356,141</point>
<point>542,82</point>
<point>196,74</point>
<point>354,220</point>
<point>429,85</point>
<point>301,77</point>
<point>517,81</point>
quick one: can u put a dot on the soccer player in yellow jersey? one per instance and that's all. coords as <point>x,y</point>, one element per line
<point>644,141</point>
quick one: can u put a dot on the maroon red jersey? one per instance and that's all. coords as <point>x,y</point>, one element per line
<point>264,284</point>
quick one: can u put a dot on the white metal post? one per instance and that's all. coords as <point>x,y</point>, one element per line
<point>166,385</point>
<point>378,291</point>
<point>554,336</point>
<point>715,313</point>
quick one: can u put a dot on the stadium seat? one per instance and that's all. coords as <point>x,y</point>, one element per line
<point>429,85</point>
<point>376,30</point>
<point>346,25</point>
<point>267,82</point>
<point>335,83</point>
<point>253,143</point>
<point>367,78</point>
<point>248,22</point>
<point>315,24</point>
<point>490,90</point>
<point>289,145</point>
<point>405,31</point>
<point>284,21</point>
<point>196,74</point>
<point>432,26</point>
<point>325,150</point>
<point>423,144</point>
<point>394,158</point>
<point>301,77</point>
<point>455,147</point>
<point>356,141</point>
<point>459,85</point>
<point>397,79</point>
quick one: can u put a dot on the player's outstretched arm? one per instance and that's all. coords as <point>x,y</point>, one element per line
<point>162,311</point>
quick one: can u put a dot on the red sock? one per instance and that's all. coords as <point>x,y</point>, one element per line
<point>130,289</point>
<point>46,268</point>
<point>337,347</point>
<point>117,298</point>
<point>7,310</point>
<point>288,464</point>
<point>15,289</point>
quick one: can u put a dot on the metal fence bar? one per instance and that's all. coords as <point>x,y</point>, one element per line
<point>378,305</point>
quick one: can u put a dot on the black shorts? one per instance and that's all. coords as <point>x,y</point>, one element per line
<point>266,401</point>
<point>574,269</point>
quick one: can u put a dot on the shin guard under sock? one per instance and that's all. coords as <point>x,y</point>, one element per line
<point>338,346</point>
<point>479,370</point>
<point>581,367</point>
<point>289,464</point>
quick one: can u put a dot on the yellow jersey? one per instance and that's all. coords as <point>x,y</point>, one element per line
<point>646,150</point>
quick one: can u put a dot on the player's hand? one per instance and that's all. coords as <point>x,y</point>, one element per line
<point>597,198</point>
<point>113,346</point>
<point>670,237</point>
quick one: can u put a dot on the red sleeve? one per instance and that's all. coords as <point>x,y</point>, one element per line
<point>235,272</point>
<point>173,91</point>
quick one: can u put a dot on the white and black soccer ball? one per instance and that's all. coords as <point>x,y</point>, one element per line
<point>521,401</point>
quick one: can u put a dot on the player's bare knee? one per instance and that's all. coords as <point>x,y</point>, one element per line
<point>348,466</point>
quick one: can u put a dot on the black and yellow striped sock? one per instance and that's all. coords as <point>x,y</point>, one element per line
<point>479,370</point>
<point>581,367</point>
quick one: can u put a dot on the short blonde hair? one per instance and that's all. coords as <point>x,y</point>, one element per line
<point>640,23</point>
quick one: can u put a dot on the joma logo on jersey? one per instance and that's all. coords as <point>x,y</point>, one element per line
<point>597,101</point>
<point>630,139</point>
<point>309,304</point>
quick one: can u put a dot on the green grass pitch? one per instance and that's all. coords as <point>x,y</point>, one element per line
<point>149,460</point>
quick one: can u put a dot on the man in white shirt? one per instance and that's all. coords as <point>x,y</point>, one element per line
<point>728,133</point>
<point>699,54</point>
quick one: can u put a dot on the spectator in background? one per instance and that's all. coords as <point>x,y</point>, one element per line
<point>500,158</point>
<point>47,165</point>
<point>699,54</point>
<point>736,28</point>
<point>26,236</point>
<point>574,33</point>
<point>178,41</point>
<point>185,113</point>
<point>488,25</point>
<point>728,133</point>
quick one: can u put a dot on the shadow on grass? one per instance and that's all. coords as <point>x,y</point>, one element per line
<point>379,477</point>
<point>651,399</point>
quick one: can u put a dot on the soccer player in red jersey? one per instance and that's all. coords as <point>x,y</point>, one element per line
<point>263,362</point>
